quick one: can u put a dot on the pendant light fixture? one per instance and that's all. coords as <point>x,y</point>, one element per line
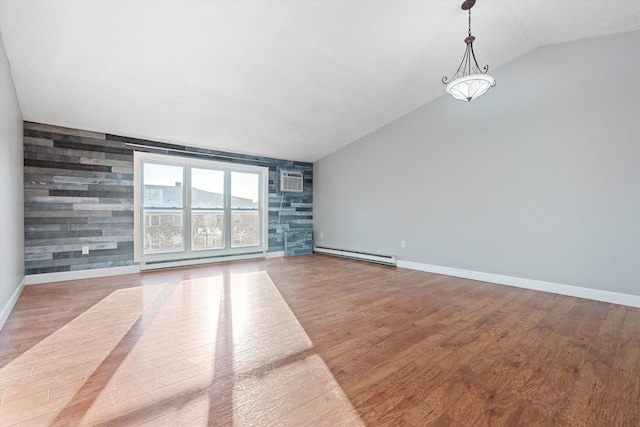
<point>470,81</point>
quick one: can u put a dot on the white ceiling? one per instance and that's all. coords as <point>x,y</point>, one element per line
<point>288,79</point>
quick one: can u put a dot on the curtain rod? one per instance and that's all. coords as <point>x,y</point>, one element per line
<point>210,155</point>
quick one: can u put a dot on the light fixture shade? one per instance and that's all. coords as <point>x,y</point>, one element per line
<point>470,80</point>
<point>470,87</point>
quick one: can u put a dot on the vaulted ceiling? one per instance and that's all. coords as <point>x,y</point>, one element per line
<point>288,79</point>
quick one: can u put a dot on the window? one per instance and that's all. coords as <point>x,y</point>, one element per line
<point>190,208</point>
<point>207,209</point>
<point>245,221</point>
<point>151,245</point>
<point>151,220</point>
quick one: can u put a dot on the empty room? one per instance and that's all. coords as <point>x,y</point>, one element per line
<point>320,213</point>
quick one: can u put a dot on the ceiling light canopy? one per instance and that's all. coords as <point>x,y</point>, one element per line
<point>470,81</point>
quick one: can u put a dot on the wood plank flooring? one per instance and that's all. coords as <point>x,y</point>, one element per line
<point>314,341</point>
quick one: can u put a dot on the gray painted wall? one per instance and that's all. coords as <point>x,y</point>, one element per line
<point>537,179</point>
<point>11,210</point>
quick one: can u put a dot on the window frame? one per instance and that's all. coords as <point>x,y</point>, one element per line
<point>187,252</point>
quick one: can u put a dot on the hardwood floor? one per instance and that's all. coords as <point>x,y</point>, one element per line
<point>315,340</point>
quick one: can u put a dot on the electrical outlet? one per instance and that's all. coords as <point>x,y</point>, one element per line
<point>403,243</point>
<point>321,235</point>
<point>85,250</point>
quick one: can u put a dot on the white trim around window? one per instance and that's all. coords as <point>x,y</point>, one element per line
<point>198,209</point>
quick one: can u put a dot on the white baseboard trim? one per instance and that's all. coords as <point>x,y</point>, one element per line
<point>62,276</point>
<point>8,307</point>
<point>277,254</point>
<point>536,285</point>
<point>34,279</point>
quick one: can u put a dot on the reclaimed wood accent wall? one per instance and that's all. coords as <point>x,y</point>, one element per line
<point>78,190</point>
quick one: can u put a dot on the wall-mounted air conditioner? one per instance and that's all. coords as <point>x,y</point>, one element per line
<point>291,181</point>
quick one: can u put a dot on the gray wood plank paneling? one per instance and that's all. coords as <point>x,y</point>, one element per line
<point>61,130</point>
<point>79,191</point>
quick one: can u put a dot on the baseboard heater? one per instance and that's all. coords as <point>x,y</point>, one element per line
<point>363,256</point>
<point>195,261</point>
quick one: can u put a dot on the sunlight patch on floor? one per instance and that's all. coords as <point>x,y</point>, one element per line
<point>217,352</point>
<point>225,349</point>
<point>52,371</point>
